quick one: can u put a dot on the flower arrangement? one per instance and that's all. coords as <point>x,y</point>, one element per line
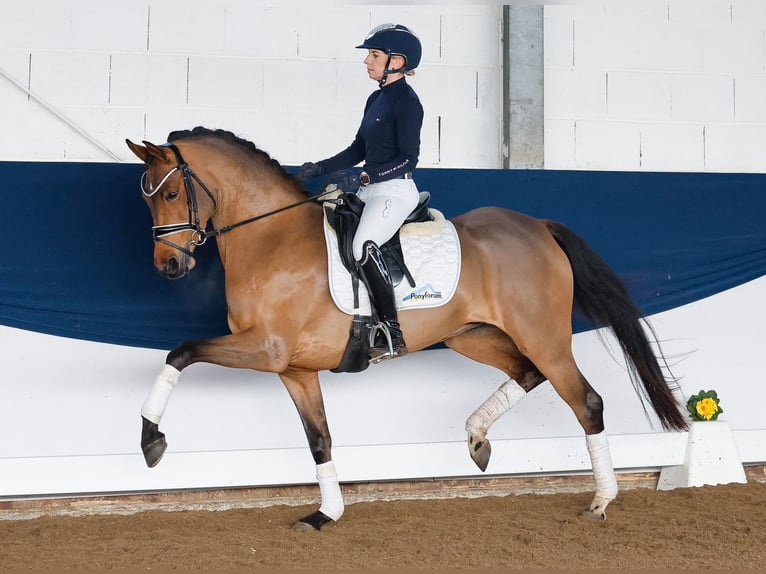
<point>704,406</point>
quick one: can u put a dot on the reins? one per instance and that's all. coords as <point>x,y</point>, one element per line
<point>201,235</point>
<point>227,228</point>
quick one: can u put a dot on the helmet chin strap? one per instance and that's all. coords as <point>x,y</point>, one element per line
<point>387,71</point>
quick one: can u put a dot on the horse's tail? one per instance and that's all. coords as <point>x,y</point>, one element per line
<point>603,299</point>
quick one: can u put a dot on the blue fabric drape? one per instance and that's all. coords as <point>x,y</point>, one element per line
<point>76,259</point>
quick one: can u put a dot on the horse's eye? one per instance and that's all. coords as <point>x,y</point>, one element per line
<point>171,195</point>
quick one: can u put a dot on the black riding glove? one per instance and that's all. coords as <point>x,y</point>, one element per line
<point>346,180</point>
<point>310,170</point>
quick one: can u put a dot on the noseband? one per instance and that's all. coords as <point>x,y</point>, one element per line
<point>199,233</point>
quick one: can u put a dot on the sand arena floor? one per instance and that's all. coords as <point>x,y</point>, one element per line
<point>489,525</point>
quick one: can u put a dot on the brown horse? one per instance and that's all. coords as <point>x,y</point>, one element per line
<point>513,307</point>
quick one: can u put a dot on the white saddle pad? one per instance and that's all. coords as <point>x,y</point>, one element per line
<point>432,254</point>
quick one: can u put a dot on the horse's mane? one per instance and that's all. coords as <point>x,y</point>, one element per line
<point>229,137</point>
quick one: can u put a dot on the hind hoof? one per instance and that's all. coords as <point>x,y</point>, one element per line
<point>597,514</point>
<point>313,521</point>
<point>597,508</point>
<point>480,450</point>
<point>153,443</point>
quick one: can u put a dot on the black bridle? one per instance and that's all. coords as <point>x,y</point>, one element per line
<point>160,232</point>
<point>199,234</point>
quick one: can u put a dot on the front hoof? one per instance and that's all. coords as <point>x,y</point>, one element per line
<point>153,443</point>
<point>480,450</point>
<point>313,521</point>
<point>154,450</point>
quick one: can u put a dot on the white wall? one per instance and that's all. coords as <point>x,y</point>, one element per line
<point>668,85</point>
<point>659,86</point>
<point>287,76</point>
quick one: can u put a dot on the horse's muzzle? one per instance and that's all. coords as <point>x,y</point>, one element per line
<point>175,267</point>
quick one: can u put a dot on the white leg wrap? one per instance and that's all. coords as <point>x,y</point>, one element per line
<point>603,472</point>
<point>501,401</point>
<point>154,405</point>
<point>329,490</point>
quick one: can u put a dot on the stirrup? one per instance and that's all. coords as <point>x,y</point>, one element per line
<point>386,351</point>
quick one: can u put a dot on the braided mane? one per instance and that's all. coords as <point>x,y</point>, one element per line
<point>229,137</point>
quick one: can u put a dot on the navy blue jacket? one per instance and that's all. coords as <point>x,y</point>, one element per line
<point>388,140</point>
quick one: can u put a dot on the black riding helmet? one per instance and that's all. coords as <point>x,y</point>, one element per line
<point>394,40</point>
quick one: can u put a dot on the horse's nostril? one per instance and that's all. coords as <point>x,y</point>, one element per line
<point>171,267</point>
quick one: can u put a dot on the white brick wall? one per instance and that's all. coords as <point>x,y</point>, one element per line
<point>16,63</point>
<point>287,76</point>
<point>750,98</point>
<point>629,84</point>
<point>572,93</point>
<point>674,85</point>
<point>140,80</point>
<point>106,26</point>
<point>638,96</point>
<point>614,144</point>
<point>80,78</point>
<point>702,98</point>
<point>672,147</point>
<point>38,24</point>
<point>734,147</point>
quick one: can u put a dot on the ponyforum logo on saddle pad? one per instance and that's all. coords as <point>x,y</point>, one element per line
<point>432,254</point>
<point>424,293</point>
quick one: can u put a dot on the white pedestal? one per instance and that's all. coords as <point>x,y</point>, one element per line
<point>711,458</point>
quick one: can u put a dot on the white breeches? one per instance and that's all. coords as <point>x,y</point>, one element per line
<point>387,205</point>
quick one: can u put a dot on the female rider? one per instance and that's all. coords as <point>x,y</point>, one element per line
<point>388,141</point>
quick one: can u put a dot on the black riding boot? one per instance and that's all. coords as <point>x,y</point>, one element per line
<point>374,273</point>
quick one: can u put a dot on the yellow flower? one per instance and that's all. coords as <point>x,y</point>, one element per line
<point>706,408</point>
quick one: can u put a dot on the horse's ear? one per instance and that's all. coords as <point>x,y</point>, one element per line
<point>139,150</point>
<point>147,151</point>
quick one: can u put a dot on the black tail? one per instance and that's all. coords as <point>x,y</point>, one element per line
<point>603,299</point>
